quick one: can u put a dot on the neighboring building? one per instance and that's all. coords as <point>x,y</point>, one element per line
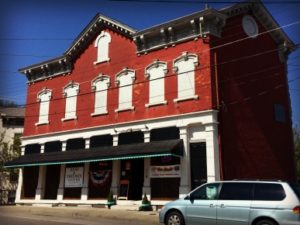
<point>11,129</point>
<point>158,111</point>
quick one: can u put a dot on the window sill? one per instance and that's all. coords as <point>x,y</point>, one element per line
<point>156,104</point>
<point>71,118</point>
<point>125,109</point>
<point>186,98</point>
<point>99,113</point>
<point>102,61</point>
<point>41,123</point>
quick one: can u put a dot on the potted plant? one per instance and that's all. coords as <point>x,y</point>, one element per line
<point>111,200</point>
<point>146,204</point>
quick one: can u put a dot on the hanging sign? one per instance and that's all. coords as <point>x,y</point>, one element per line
<point>165,171</point>
<point>74,177</point>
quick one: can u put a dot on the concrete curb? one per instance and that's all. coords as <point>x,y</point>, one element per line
<point>83,213</point>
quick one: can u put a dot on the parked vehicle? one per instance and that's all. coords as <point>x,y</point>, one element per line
<point>236,203</point>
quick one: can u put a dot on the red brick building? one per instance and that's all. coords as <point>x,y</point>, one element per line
<point>159,111</point>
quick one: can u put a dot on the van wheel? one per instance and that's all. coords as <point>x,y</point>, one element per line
<point>174,218</point>
<point>265,222</point>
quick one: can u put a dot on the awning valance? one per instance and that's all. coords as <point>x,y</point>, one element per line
<point>105,153</point>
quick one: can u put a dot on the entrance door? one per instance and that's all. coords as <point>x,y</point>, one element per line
<point>133,171</point>
<point>198,164</point>
<point>52,181</point>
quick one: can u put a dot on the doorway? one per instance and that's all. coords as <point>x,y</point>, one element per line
<point>133,172</point>
<point>198,164</point>
<point>52,181</point>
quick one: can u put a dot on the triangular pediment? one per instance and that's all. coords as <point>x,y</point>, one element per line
<point>64,63</point>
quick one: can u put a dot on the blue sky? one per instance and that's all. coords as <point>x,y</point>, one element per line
<point>36,30</point>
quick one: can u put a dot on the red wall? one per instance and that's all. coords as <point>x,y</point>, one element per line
<point>122,54</point>
<point>251,81</point>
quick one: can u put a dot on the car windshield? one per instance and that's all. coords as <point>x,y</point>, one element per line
<point>296,188</point>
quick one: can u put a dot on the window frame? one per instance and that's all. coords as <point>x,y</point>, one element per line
<point>68,102</point>
<point>46,106</point>
<point>155,65</point>
<point>123,91</point>
<point>100,58</point>
<point>98,103</point>
<point>185,57</point>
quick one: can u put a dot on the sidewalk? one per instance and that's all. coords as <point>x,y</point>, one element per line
<point>84,213</point>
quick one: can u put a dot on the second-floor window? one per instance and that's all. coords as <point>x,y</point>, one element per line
<point>156,74</point>
<point>102,45</point>
<point>70,92</point>
<point>185,66</point>
<point>100,86</point>
<point>125,80</point>
<point>44,99</point>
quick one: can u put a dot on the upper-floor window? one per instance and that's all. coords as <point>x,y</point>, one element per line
<point>185,66</point>
<point>70,92</point>
<point>100,86</point>
<point>102,45</point>
<point>156,74</point>
<point>43,98</point>
<point>280,113</point>
<point>125,80</point>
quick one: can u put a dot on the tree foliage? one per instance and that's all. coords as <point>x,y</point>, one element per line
<point>9,151</point>
<point>297,151</point>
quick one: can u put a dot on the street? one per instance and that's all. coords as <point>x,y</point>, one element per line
<point>38,216</point>
<point>50,220</point>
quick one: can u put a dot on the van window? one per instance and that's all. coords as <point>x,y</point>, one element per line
<point>236,191</point>
<point>206,192</point>
<point>268,192</point>
<point>296,188</point>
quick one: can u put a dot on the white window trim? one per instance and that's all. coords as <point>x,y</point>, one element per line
<point>184,57</point>
<point>156,64</point>
<point>71,83</point>
<point>99,78</point>
<point>107,59</point>
<point>44,91</point>
<point>148,105</point>
<point>125,72</point>
<point>195,97</point>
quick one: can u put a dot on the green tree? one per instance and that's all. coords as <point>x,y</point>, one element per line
<point>297,151</point>
<point>9,151</point>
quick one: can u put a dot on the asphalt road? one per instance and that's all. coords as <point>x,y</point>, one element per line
<point>31,219</point>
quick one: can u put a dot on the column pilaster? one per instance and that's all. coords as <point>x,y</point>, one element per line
<point>116,170</point>
<point>212,152</point>
<point>185,168</point>
<point>147,164</point>
<point>60,191</point>
<point>39,193</point>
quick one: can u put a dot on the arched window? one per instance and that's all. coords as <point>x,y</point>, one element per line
<point>100,86</point>
<point>70,92</point>
<point>102,45</point>
<point>43,98</point>
<point>156,75</point>
<point>185,66</point>
<point>124,80</point>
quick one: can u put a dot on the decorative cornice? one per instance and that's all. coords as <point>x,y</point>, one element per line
<point>64,64</point>
<point>208,21</point>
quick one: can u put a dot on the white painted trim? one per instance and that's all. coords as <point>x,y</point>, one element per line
<point>195,97</point>
<point>109,129</point>
<point>70,118</point>
<point>99,114</point>
<point>148,105</point>
<point>125,109</point>
<point>103,61</point>
<point>41,123</point>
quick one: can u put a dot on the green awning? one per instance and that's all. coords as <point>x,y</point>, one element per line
<point>105,153</point>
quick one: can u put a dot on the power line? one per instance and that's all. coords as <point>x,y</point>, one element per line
<point>207,1</point>
<point>245,99</point>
